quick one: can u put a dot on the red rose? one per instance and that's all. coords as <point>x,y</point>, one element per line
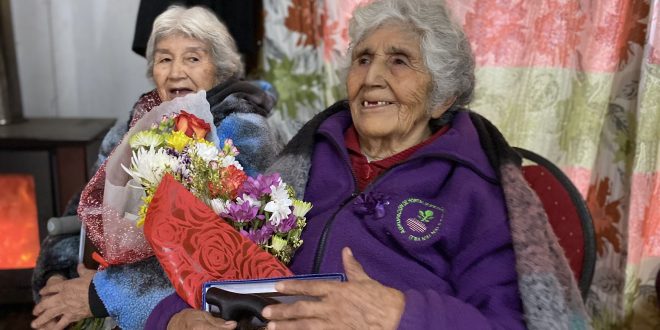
<point>191,125</point>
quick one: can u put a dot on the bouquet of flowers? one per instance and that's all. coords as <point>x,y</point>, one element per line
<point>178,139</point>
<point>261,209</point>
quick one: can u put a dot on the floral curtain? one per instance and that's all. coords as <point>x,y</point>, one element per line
<point>304,41</point>
<point>577,81</point>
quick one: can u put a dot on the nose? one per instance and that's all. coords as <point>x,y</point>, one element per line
<point>178,70</point>
<point>376,73</point>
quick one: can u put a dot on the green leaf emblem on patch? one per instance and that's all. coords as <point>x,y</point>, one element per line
<point>425,216</point>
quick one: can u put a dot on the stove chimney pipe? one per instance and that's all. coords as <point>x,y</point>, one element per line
<point>11,108</point>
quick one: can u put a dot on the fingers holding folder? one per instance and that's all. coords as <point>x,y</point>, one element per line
<point>359,303</point>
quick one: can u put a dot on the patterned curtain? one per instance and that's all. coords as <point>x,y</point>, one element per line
<point>304,41</point>
<point>577,81</point>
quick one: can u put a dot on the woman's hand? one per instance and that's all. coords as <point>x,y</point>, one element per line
<point>360,303</point>
<point>198,320</point>
<point>63,301</point>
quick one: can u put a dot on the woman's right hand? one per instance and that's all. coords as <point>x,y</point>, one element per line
<point>198,320</point>
<point>63,301</point>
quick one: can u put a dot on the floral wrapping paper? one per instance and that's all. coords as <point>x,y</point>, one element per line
<point>194,245</point>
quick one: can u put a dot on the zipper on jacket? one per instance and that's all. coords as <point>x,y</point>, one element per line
<point>320,248</point>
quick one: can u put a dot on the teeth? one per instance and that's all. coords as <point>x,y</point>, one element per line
<point>374,104</point>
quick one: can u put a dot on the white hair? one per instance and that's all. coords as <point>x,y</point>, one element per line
<point>443,44</point>
<point>201,24</point>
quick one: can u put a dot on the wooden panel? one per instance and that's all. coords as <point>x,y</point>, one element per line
<point>71,173</point>
<point>53,132</point>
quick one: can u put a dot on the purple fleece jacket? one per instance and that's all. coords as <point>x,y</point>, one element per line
<point>434,227</point>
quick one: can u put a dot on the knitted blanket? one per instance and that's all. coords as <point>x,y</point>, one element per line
<point>549,292</point>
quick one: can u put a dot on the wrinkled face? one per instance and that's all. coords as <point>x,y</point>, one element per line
<point>182,65</point>
<point>388,84</point>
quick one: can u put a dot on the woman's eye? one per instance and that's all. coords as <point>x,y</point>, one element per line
<point>399,61</point>
<point>193,59</point>
<point>164,60</point>
<point>362,60</point>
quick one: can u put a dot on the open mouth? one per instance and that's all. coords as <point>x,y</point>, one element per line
<point>375,104</point>
<point>176,92</point>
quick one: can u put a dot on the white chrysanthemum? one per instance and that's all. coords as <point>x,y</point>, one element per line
<point>148,166</point>
<point>280,204</point>
<point>145,139</point>
<point>226,161</point>
<point>207,152</point>
<point>248,199</point>
<point>219,205</point>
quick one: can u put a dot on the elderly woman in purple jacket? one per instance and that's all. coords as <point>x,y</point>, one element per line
<point>419,201</point>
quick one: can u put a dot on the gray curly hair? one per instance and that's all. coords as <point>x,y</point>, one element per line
<point>201,24</point>
<point>444,46</point>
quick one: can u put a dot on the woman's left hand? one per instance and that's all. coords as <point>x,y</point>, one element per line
<point>64,301</point>
<point>359,303</point>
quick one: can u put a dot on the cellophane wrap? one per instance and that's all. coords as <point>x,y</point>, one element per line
<point>109,203</point>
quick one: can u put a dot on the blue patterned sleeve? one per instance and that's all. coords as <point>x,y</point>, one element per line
<point>253,138</point>
<point>130,292</point>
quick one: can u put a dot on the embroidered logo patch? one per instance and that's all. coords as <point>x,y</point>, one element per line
<point>418,219</point>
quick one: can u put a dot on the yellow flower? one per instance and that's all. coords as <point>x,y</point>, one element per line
<point>278,244</point>
<point>145,139</point>
<point>178,140</point>
<point>301,208</point>
<point>143,209</point>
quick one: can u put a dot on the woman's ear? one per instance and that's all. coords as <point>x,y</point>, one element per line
<point>441,108</point>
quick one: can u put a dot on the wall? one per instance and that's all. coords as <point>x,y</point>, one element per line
<point>75,58</point>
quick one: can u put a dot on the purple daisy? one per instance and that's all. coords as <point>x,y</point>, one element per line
<point>260,235</point>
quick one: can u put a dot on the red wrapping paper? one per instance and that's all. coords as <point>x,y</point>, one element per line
<point>194,245</point>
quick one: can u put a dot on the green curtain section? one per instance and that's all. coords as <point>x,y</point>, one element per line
<point>552,111</point>
<point>648,132</point>
<point>641,309</point>
<point>576,81</point>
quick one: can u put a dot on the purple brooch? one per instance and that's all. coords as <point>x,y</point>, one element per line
<point>371,203</point>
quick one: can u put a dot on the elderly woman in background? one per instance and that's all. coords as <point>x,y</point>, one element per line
<point>189,50</point>
<point>429,215</point>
